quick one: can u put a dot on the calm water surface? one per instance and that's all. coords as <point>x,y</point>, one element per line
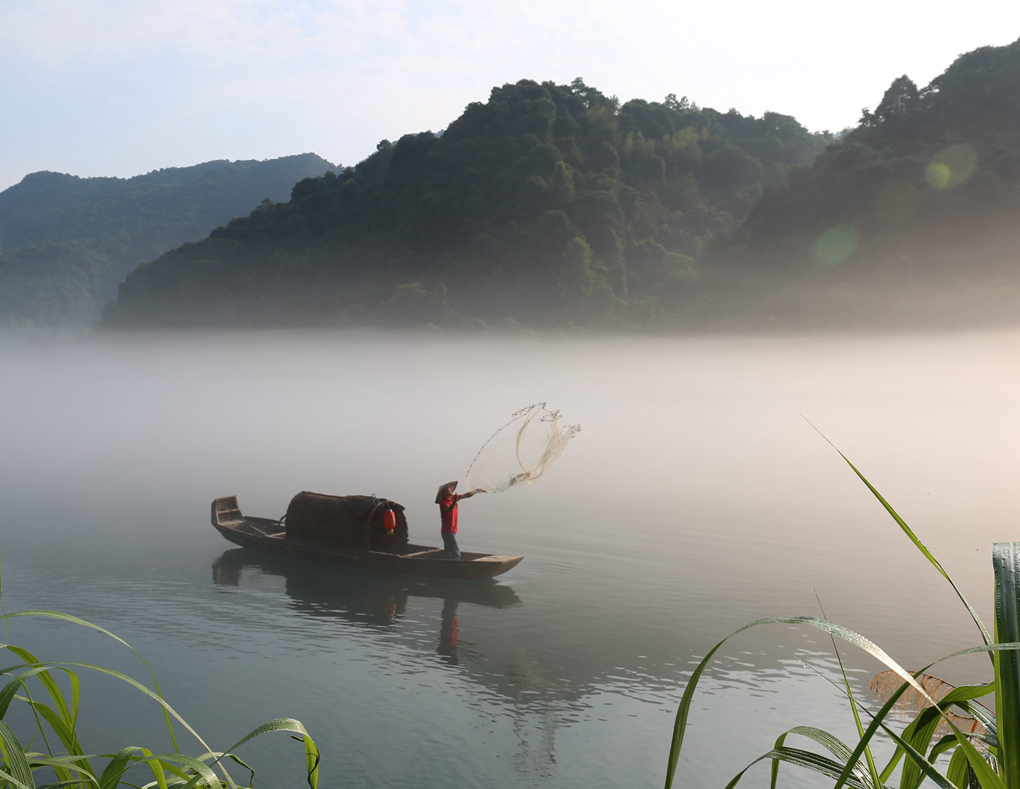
<point>697,498</point>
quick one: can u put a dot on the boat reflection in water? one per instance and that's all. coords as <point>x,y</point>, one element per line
<point>470,636</point>
<point>364,598</point>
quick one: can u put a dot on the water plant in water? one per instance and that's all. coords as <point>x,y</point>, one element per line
<point>983,747</point>
<point>35,755</point>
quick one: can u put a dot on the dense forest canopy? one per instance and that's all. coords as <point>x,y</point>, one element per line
<point>916,208</point>
<point>548,205</point>
<point>65,242</point>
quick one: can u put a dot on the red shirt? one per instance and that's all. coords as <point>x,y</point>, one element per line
<point>448,513</point>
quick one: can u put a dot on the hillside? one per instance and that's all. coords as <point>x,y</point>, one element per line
<point>548,205</point>
<point>65,241</point>
<point>553,206</point>
<point>913,216</point>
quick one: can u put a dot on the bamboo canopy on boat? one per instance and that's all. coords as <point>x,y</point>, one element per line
<point>354,521</point>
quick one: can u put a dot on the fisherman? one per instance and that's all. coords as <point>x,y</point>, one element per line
<point>447,501</point>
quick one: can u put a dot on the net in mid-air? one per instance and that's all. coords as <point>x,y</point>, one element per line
<point>521,451</point>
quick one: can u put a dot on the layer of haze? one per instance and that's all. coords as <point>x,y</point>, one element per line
<point>112,88</point>
<point>689,442</point>
<point>696,498</point>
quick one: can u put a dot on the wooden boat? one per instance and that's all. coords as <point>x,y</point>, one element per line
<point>350,530</point>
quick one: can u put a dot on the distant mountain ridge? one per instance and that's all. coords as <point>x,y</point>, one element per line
<point>557,207</point>
<point>66,241</point>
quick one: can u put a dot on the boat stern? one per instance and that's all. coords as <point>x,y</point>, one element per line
<point>225,510</point>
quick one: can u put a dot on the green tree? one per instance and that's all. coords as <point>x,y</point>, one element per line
<point>412,306</point>
<point>561,184</point>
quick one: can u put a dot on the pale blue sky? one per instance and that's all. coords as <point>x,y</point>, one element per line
<point>122,87</point>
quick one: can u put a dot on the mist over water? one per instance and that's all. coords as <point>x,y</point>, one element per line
<point>697,498</point>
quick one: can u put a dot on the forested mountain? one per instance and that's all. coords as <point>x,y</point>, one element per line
<point>548,205</point>
<point>915,210</point>
<point>65,242</point>
<point>554,206</point>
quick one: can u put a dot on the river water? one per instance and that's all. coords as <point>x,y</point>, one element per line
<point>698,496</point>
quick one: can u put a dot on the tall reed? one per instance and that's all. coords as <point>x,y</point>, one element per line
<point>52,745</point>
<point>987,755</point>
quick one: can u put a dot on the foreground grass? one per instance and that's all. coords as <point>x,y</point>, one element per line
<point>52,748</point>
<point>986,756</point>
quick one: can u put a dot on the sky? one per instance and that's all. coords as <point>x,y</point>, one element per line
<point>124,87</point>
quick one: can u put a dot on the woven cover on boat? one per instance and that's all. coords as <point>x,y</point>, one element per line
<point>343,520</point>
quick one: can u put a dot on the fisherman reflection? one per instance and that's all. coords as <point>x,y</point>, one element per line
<point>391,609</point>
<point>447,501</point>
<point>449,632</point>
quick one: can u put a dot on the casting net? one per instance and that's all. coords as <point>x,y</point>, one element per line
<point>521,451</point>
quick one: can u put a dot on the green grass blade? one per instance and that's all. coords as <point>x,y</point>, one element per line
<point>61,717</point>
<point>312,755</point>
<point>959,769</point>
<point>312,758</point>
<point>947,743</point>
<point>116,767</point>
<point>985,635</point>
<point>156,766</point>
<point>64,764</point>
<point>920,738</point>
<point>66,734</point>
<point>278,724</point>
<point>919,734</point>
<point>14,782</point>
<point>235,759</point>
<point>876,723</point>
<point>47,681</point>
<point>922,728</point>
<point>960,698</point>
<point>973,691</point>
<point>1006,564</point>
<point>15,759</point>
<point>872,769</point>
<point>59,615</point>
<point>843,753</point>
<point>981,713</point>
<point>780,742</point>
<point>9,691</point>
<point>168,710</point>
<point>192,772</point>
<point>808,760</point>
<point>7,694</point>
<point>684,709</point>
<point>926,767</point>
<point>159,765</point>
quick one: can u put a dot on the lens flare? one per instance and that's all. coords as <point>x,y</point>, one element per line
<point>938,174</point>
<point>836,244</point>
<point>951,166</point>
<point>897,203</point>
